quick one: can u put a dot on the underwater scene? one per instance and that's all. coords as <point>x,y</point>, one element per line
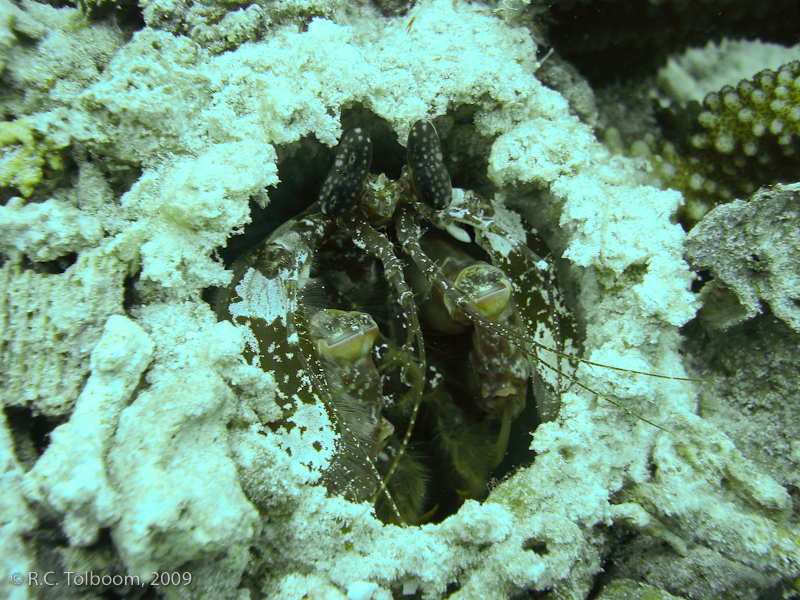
<point>387,299</point>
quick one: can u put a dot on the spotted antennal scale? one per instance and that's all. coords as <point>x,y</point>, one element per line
<point>431,179</point>
<point>344,182</point>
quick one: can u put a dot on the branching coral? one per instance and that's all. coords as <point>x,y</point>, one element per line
<point>755,127</point>
<point>742,138</point>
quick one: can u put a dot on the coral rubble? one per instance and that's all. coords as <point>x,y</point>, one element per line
<point>752,248</point>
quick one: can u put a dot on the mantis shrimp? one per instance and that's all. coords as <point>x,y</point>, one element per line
<point>403,306</point>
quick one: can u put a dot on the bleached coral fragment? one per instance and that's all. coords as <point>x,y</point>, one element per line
<point>47,230</point>
<point>168,435</point>
<point>70,478</point>
<point>51,324</point>
<point>19,521</point>
<point>361,590</point>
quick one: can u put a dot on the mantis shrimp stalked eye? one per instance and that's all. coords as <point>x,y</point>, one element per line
<point>345,181</point>
<point>429,175</point>
<point>406,309</point>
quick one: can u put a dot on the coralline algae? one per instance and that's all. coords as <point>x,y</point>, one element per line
<point>161,462</point>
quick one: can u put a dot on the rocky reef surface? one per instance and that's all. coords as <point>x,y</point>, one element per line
<point>134,439</point>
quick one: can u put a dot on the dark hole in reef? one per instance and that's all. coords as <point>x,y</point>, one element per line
<point>394,8</point>
<point>47,536</point>
<point>701,279</point>
<point>30,433</point>
<point>6,193</point>
<point>120,180</point>
<point>126,15</point>
<point>623,546</point>
<point>252,582</point>
<point>397,592</point>
<point>302,167</point>
<point>103,539</point>
<point>533,595</point>
<point>451,589</point>
<point>794,494</point>
<point>536,546</point>
<point>131,297</point>
<point>679,124</point>
<point>519,454</point>
<point>466,152</point>
<point>51,267</point>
